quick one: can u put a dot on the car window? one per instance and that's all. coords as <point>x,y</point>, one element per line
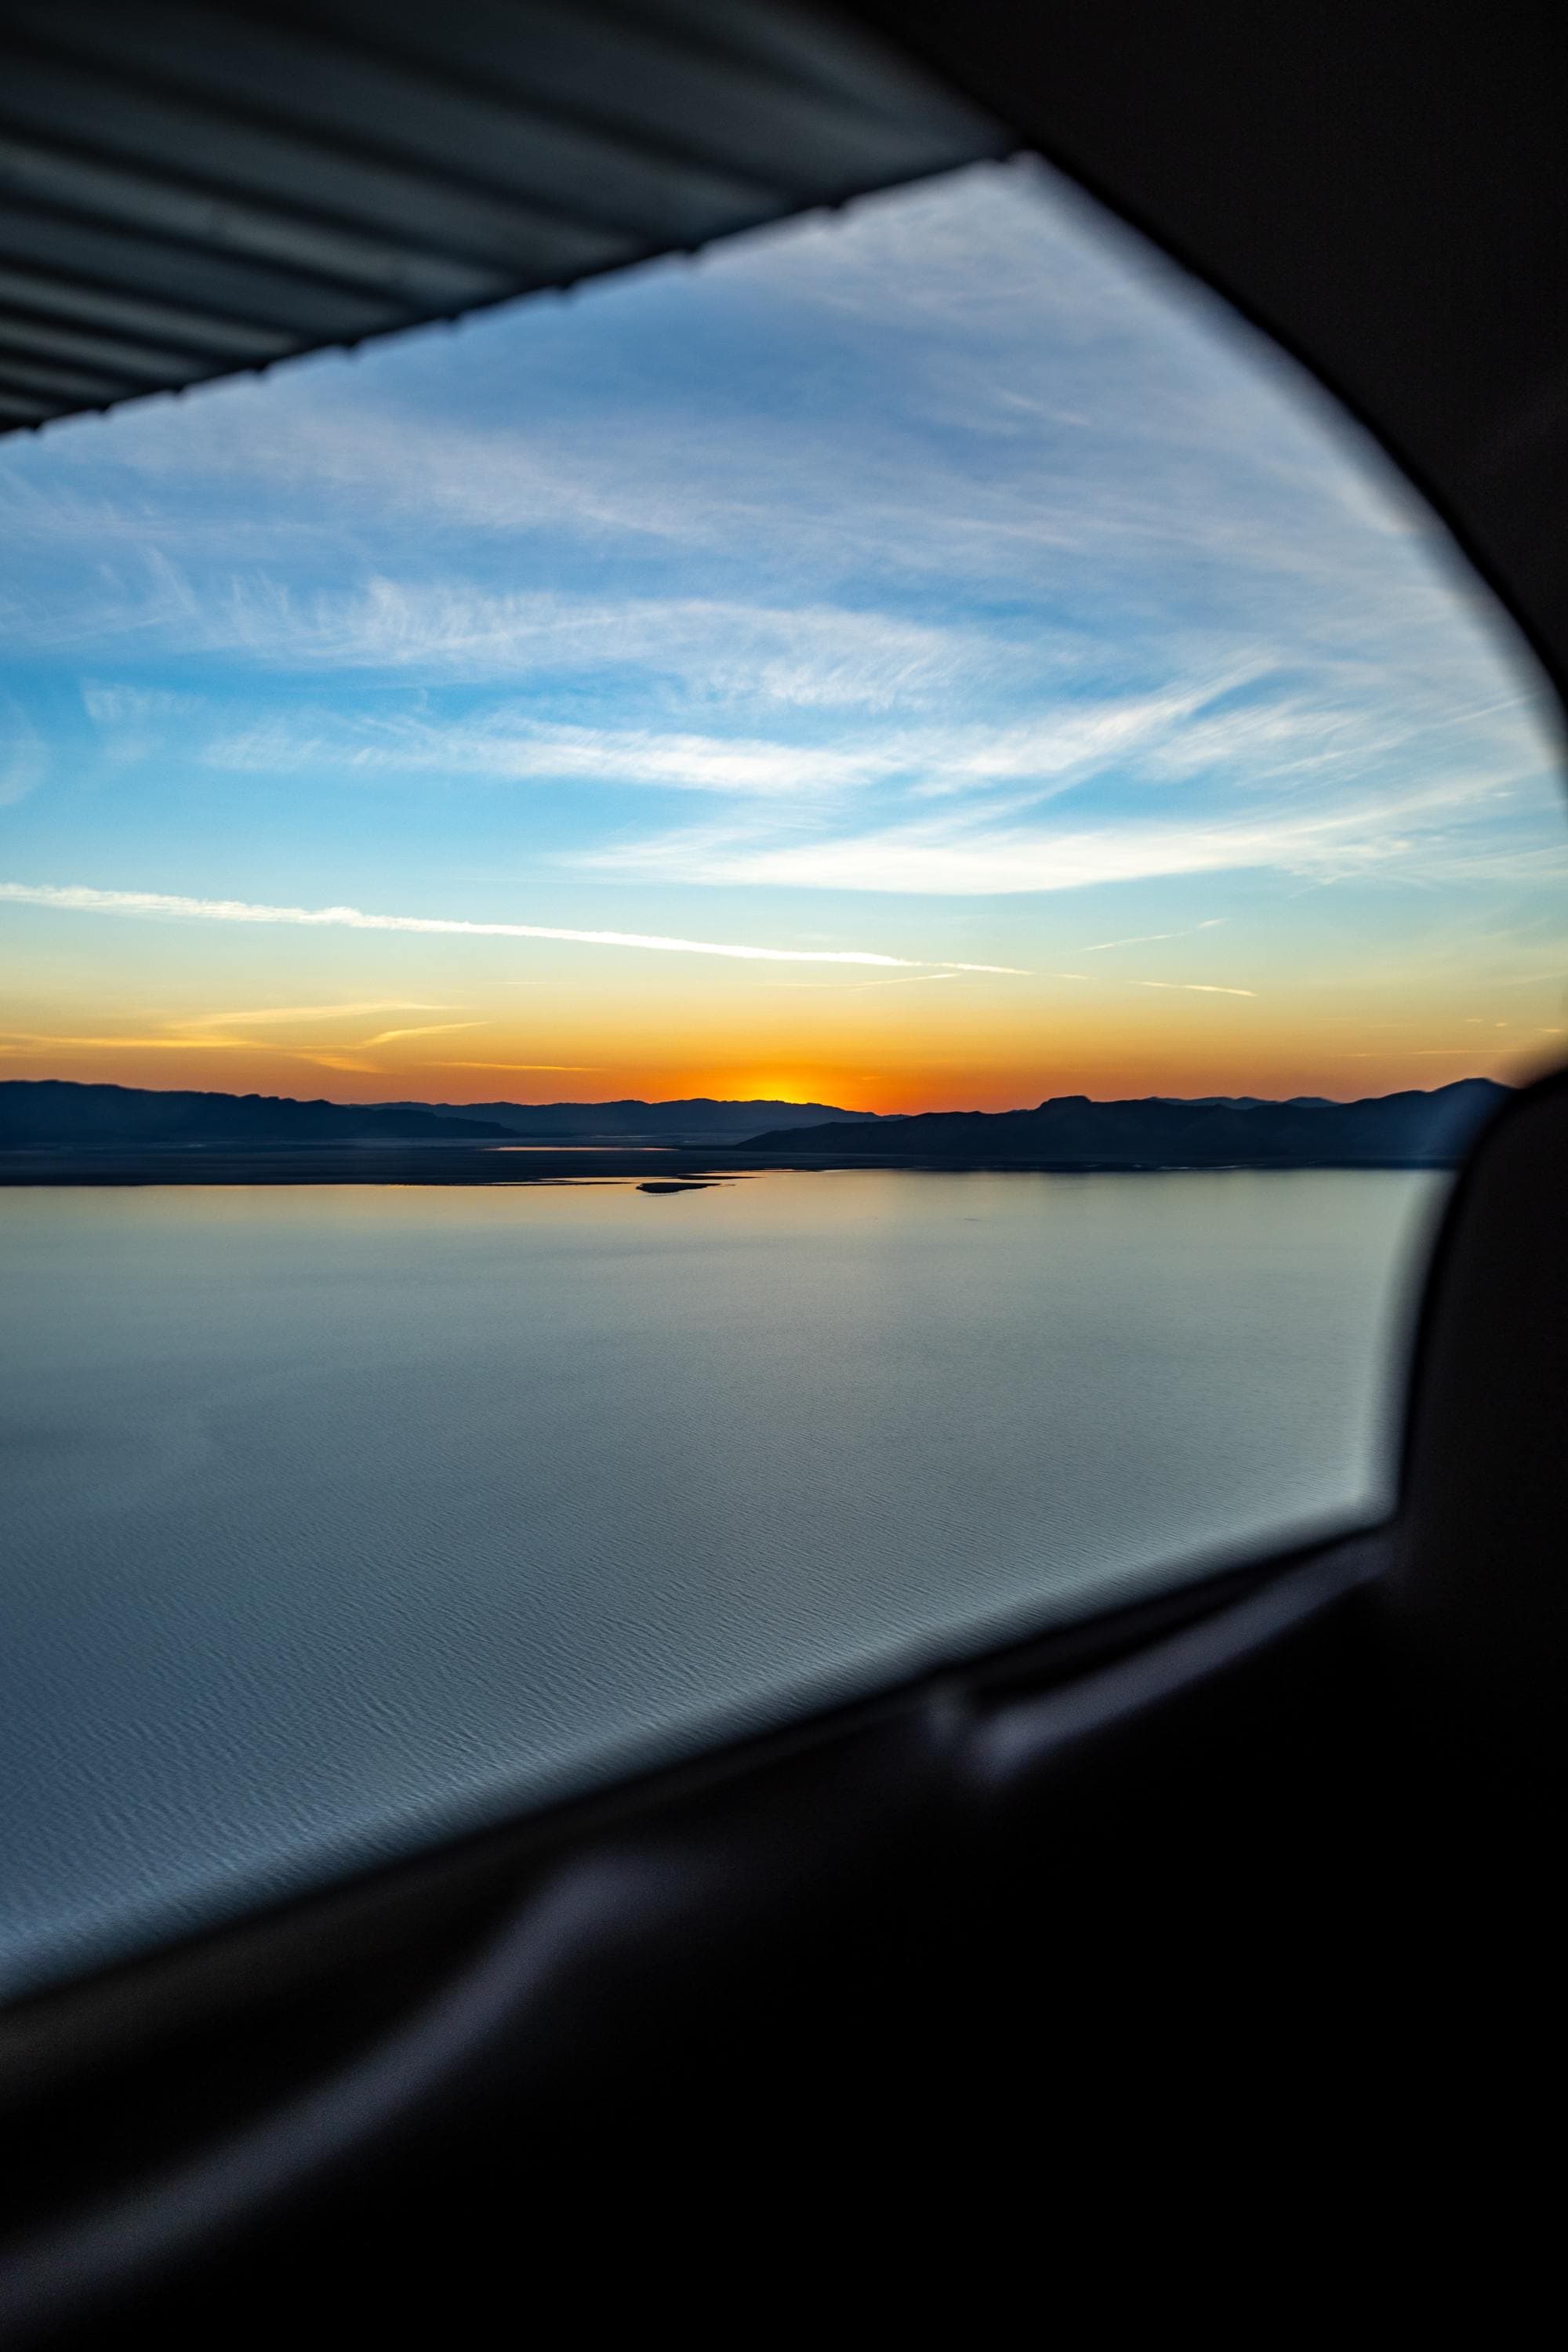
<point>708,990</point>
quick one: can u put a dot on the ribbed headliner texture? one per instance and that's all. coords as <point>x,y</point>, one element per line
<point>186,191</point>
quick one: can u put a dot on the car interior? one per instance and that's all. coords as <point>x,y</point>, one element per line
<point>862,2005</point>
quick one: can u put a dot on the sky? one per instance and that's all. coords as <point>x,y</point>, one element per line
<point>926,656</point>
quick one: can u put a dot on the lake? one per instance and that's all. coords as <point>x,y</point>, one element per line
<point>338,1518</point>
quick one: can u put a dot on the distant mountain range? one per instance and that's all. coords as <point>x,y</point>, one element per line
<point>43,1112</point>
<point>37,1112</point>
<point>1216,1131</point>
<point>1067,1131</point>
<point>695,1120</point>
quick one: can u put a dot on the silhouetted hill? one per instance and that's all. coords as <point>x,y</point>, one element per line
<point>54,1111</point>
<point>1072,1131</point>
<point>696,1120</point>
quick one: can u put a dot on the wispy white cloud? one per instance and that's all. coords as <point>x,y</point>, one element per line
<point>997,767</point>
<point>508,741</point>
<point>116,704</point>
<point>292,1012</point>
<point>946,803</point>
<point>24,754</point>
<point>1075,738</point>
<point>426,1029</point>
<point>133,722</point>
<point>855,987</point>
<point>32,1043</point>
<point>1196,987</point>
<point>1147,938</point>
<point>20,1040</point>
<point>1408,832</point>
<point>78,899</point>
<point>799,655</point>
<point>507,745</point>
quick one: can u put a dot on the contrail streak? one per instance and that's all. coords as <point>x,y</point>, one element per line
<point>79,899</point>
<point>1196,987</point>
<point>1147,938</point>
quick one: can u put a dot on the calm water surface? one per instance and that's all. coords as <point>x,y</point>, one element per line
<point>336,1518</point>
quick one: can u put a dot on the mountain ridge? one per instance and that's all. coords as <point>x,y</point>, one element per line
<point>37,1112</point>
<point>1410,1127</point>
<point>701,1118</point>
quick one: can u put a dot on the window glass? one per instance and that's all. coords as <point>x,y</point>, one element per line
<point>929,660</point>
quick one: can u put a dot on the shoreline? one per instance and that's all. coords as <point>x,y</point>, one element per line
<point>680,1165</point>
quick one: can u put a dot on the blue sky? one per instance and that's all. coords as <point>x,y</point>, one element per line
<point>946,581</point>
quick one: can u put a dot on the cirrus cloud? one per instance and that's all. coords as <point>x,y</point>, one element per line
<point>82,898</point>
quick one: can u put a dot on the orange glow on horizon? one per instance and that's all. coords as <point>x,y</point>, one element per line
<point>452,1022</point>
<point>910,1082</point>
<point>456,1021</point>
